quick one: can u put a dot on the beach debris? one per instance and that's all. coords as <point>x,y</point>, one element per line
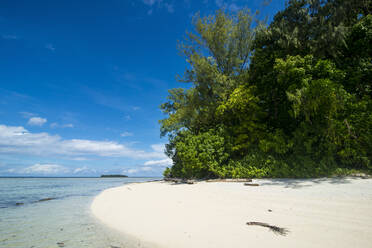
<point>113,246</point>
<point>61,244</point>
<point>361,175</point>
<point>251,184</point>
<point>230,180</point>
<point>168,179</point>
<point>46,199</point>
<point>269,210</point>
<point>275,229</point>
<point>180,180</point>
<point>19,203</point>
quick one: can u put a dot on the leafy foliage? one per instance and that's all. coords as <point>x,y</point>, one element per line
<point>291,99</point>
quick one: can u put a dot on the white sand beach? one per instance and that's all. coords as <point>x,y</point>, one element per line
<point>317,213</point>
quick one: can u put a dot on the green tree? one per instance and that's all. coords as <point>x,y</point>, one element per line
<point>291,99</point>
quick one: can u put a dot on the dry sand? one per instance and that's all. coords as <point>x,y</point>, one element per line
<point>317,213</point>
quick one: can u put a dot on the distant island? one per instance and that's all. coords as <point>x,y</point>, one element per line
<point>114,176</point>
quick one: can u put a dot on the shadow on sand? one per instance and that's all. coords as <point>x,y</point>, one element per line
<point>284,182</point>
<point>302,183</point>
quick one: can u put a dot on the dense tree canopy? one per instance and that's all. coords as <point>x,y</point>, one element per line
<point>289,99</point>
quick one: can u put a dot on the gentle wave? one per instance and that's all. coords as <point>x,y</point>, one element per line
<point>63,221</point>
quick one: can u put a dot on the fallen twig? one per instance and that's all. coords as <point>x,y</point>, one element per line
<point>251,184</point>
<point>275,229</point>
<point>231,180</point>
<point>180,180</point>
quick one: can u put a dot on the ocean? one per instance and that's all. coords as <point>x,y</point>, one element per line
<point>28,219</point>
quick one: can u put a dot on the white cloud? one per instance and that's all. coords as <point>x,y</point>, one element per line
<point>160,4</point>
<point>131,171</point>
<point>50,47</point>
<point>227,5</point>
<point>36,121</point>
<point>18,140</point>
<point>146,168</point>
<point>27,114</point>
<point>77,170</point>
<point>126,134</point>
<point>80,159</point>
<point>56,125</point>
<point>68,125</point>
<point>84,169</point>
<point>45,169</point>
<point>138,170</point>
<point>163,162</point>
<point>158,147</point>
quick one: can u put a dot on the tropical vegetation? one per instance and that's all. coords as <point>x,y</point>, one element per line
<point>288,99</point>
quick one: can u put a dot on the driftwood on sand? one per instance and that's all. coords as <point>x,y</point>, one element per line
<point>180,180</point>
<point>275,229</point>
<point>191,181</point>
<point>232,180</point>
<point>251,184</point>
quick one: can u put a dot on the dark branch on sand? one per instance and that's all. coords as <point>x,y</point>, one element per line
<point>275,229</point>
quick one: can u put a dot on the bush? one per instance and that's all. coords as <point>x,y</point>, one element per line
<point>198,156</point>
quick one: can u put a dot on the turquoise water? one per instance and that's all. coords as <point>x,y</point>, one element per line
<point>66,221</point>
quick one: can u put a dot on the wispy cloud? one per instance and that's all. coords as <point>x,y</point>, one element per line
<point>169,7</point>
<point>50,47</point>
<point>158,148</point>
<point>228,5</point>
<point>151,2</point>
<point>138,170</point>
<point>46,169</point>
<point>126,134</point>
<point>27,114</point>
<point>9,37</point>
<point>79,159</point>
<point>84,170</point>
<point>163,162</point>
<point>57,125</point>
<point>160,4</point>
<point>151,167</point>
<point>67,125</point>
<point>9,97</point>
<point>106,100</point>
<point>18,140</point>
<point>36,121</point>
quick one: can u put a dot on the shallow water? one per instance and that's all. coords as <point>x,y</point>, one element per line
<point>65,221</point>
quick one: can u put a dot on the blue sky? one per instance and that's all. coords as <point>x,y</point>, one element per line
<point>81,82</point>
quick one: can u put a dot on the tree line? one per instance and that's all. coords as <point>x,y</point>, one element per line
<point>288,99</point>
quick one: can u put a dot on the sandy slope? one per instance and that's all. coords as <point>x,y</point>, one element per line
<point>318,213</point>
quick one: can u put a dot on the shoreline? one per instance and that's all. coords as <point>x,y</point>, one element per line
<point>326,212</point>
